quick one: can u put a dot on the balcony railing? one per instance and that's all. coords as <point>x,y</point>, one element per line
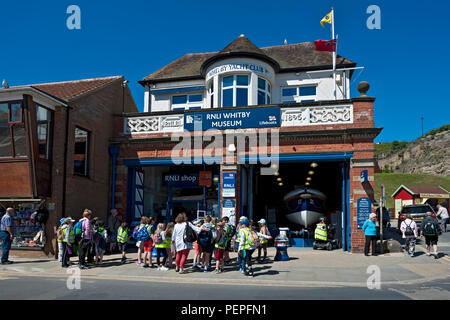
<point>290,117</point>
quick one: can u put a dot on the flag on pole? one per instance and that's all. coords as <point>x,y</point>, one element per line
<point>326,45</point>
<point>326,19</point>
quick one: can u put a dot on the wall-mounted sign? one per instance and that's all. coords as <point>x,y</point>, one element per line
<point>232,119</point>
<point>364,176</point>
<point>188,180</point>
<point>229,209</point>
<point>252,67</point>
<point>228,184</point>
<point>364,207</point>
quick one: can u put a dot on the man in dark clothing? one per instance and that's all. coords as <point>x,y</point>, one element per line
<point>431,230</point>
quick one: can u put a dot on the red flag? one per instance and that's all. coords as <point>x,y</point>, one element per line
<point>326,45</point>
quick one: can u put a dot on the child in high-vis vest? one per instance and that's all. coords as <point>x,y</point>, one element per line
<point>168,234</point>
<point>59,239</point>
<point>100,239</point>
<point>67,241</point>
<point>159,238</point>
<point>122,240</point>
<point>220,245</point>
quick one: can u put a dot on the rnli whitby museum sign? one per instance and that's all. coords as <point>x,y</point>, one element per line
<point>233,119</point>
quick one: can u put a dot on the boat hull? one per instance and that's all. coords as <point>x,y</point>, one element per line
<point>305,218</point>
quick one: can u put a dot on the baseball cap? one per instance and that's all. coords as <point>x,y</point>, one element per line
<point>62,220</point>
<point>69,219</point>
<point>262,221</point>
<point>243,218</point>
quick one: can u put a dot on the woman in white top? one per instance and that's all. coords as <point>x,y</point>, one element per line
<point>182,248</point>
<point>409,230</point>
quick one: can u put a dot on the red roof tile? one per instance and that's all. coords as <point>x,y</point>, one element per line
<point>426,189</point>
<point>68,90</point>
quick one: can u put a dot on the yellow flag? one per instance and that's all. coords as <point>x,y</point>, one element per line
<point>326,19</point>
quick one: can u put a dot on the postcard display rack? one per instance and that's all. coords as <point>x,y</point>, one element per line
<point>28,233</point>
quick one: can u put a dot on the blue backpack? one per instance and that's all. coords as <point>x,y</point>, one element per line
<point>142,234</point>
<point>205,238</point>
<point>77,228</point>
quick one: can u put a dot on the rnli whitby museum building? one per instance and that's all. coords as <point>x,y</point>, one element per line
<point>249,131</point>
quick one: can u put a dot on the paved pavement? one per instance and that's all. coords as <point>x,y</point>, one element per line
<point>308,275</point>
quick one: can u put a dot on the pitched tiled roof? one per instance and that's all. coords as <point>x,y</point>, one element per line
<point>69,90</point>
<point>300,56</point>
<point>426,189</point>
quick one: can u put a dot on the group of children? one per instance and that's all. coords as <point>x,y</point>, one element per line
<point>215,240</point>
<point>69,238</point>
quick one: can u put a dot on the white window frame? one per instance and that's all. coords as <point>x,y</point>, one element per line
<point>297,97</point>
<point>234,87</point>
<point>188,105</point>
<point>267,91</point>
<point>210,93</point>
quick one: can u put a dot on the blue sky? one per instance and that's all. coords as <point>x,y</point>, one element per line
<point>406,62</point>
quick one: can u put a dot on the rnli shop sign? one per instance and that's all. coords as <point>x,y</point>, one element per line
<point>233,119</point>
<point>189,180</point>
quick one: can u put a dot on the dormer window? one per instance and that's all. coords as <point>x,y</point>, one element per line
<point>187,102</point>
<point>235,91</point>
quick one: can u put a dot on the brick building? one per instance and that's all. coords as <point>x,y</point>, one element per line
<point>55,150</point>
<point>232,132</point>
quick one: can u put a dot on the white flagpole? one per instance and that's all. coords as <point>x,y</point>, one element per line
<point>334,54</point>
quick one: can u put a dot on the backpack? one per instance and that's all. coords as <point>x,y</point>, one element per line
<point>157,237</point>
<point>408,231</point>
<point>142,234</point>
<point>429,229</point>
<point>205,238</point>
<point>253,239</point>
<point>135,232</point>
<point>231,231</point>
<point>77,228</point>
<point>59,234</point>
<point>189,234</point>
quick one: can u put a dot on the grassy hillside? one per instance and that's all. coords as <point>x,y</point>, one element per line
<point>392,181</point>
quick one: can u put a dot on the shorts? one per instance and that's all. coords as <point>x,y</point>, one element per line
<point>431,240</point>
<point>219,254</point>
<point>122,246</point>
<point>148,246</point>
<point>208,249</point>
<point>198,248</point>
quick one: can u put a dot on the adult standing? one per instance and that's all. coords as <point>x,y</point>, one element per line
<point>430,229</point>
<point>86,237</point>
<point>370,230</point>
<point>443,215</point>
<point>409,232</point>
<point>182,248</point>
<point>114,221</point>
<point>6,234</point>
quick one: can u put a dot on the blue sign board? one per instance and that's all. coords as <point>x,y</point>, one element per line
<point>364,176</point>
<point>229,184</point>
<point>188,180</point>
<point>364,208</point>
<point>233,119</point>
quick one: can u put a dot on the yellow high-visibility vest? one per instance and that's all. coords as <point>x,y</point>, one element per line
<point>321,232</point>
